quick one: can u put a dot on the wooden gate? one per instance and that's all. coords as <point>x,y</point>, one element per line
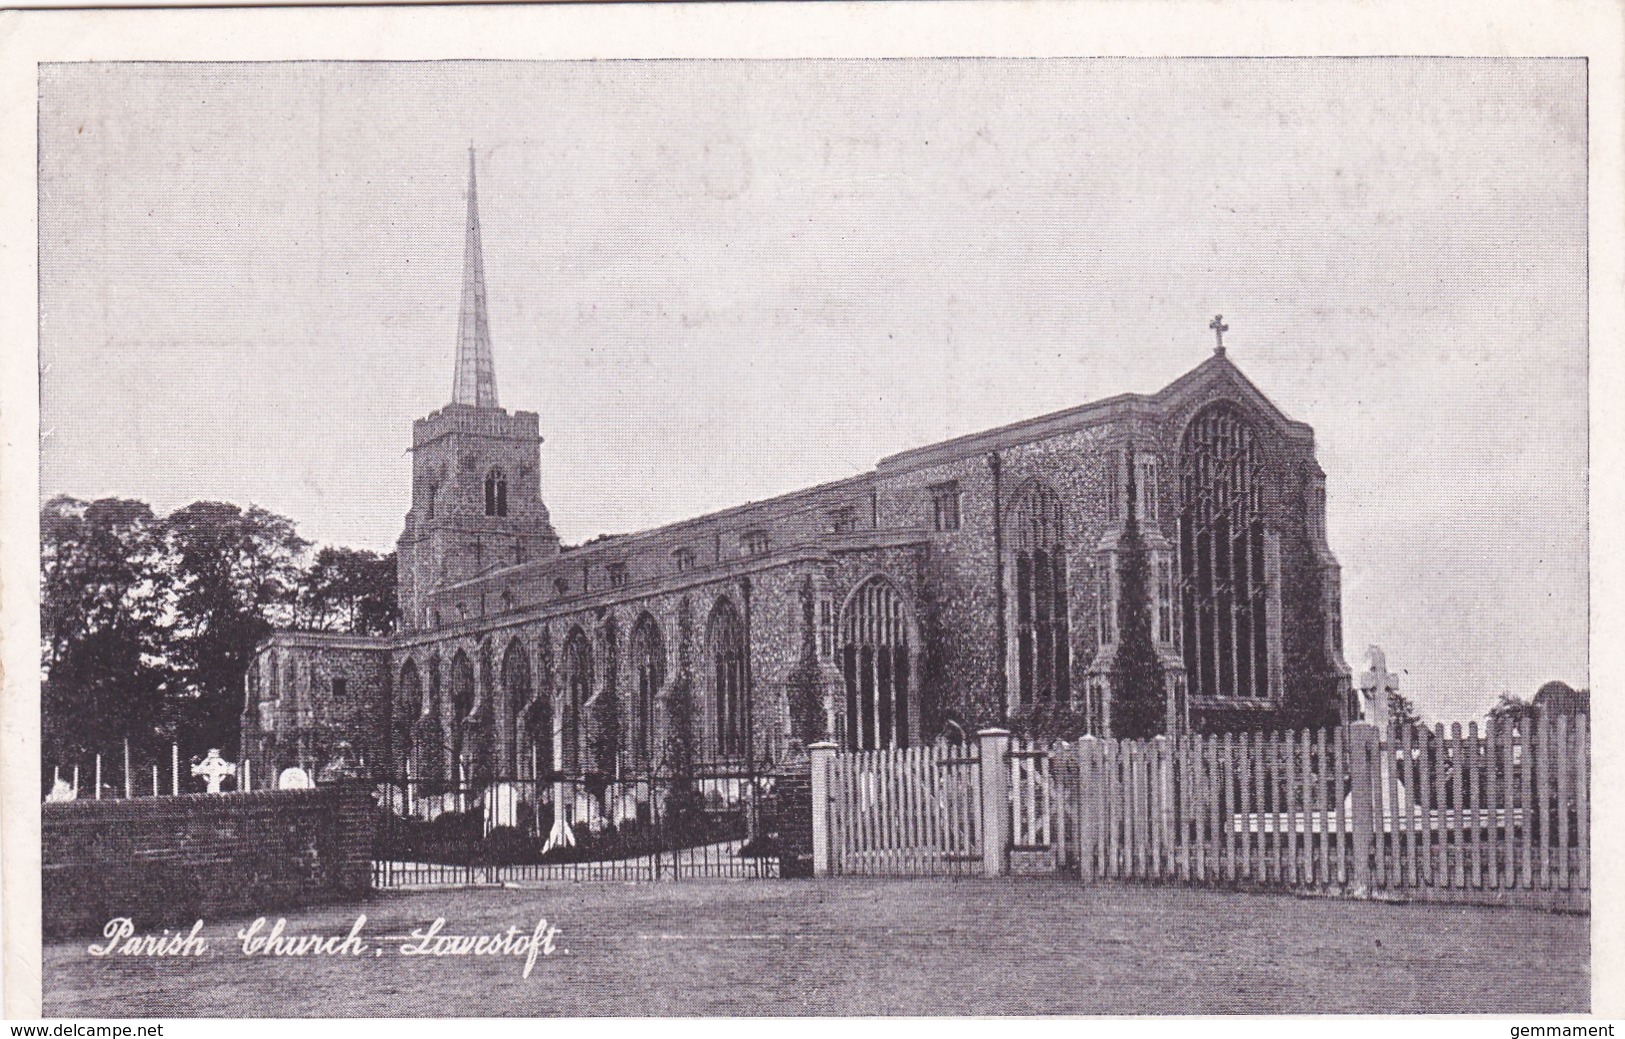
<point>913,811</point>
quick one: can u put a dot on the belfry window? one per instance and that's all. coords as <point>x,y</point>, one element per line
<point>1221,556</point>
<point>1043,641</point>
<point>496,493</point>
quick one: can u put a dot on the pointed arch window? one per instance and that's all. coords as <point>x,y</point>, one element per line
<point>577,691</point>
<point>725,639</point>
<point>496,493</point>
<point>875,660</point>
<point>463,749</point>
<point>529,715</point>
<point>1221,555</point>
<point>408,707</point>
<point>648,677</point>
<point>1042,630</point>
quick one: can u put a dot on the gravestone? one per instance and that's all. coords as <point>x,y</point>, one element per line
<point>1376,685</point>
<point>213,769</point>
<point>294,779</point>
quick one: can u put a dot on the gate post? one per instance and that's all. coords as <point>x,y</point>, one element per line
<point>1363,742</point>
<point>995,801</point>
<point>823,756</point>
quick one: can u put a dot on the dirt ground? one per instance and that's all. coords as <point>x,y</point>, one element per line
<point>866,947</point>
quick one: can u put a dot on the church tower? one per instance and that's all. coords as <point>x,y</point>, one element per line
<point>476,491</point>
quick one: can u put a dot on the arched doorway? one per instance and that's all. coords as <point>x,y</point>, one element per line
<point>876,660</point>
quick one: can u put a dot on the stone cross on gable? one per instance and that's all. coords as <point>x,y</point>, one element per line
<point>1219,329</point>
<point>214,769</point>
<point>1376,685</point>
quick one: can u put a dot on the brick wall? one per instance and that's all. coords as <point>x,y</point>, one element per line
<point>166,861</point>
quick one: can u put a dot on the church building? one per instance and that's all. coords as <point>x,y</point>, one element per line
<point>1137,565</point>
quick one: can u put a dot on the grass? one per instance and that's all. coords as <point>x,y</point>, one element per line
<point>872,947</point>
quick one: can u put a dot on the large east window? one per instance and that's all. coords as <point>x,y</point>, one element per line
<point>1221,556</point>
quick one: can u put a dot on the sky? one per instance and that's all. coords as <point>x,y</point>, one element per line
<point>717,281</point>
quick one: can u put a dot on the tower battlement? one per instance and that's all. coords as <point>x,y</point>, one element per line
<point>467,420</point>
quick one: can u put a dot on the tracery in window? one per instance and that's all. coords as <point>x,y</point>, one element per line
<point>1221,555</point>
<point>1043,642</point>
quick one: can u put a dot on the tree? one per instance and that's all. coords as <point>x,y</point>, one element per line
<point>104,595</point>
<point>349,589</point>
<point>1511,710</point>
<point>1401,712</point>
<point>237,574</point>
<point>1562,698</point>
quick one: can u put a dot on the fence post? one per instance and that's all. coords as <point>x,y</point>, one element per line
<point>1363,740</point>
<point>995,745</point>
<point>823,755</point>
<point>1088,800</point>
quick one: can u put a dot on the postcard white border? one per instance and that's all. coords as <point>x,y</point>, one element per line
<point>1141,28</point>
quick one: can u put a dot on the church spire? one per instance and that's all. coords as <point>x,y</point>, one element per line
<point>475,381</point>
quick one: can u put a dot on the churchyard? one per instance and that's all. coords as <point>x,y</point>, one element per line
<point>858,946</point>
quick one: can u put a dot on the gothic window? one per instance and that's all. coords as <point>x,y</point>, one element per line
<point>433,490</point>
<point>945,506</point>
<point>1221,556</point>
<point>561,587</point>
<point>529,715</point>
<point>577,691</point>
<point>843,520</point>
<point>408,706</point>
<point>617,575</point>
<point>1165,599</point>
<point>1043,642</point>
<point>682,560</point>
<point>875,663</point>
<point>725,639</point>
<point>1146,482</point>
<point>648,677</point>
<point>1114,486</point>
<point>1107,599</point>
<point>755,542</point>
<point>496,493</point>
<point>826,629</point>
<point>462,704</point>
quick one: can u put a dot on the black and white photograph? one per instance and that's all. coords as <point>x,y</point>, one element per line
<point>827,536</point>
